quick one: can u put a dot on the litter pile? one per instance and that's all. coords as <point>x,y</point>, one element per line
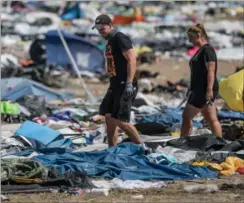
<point>64,148</point>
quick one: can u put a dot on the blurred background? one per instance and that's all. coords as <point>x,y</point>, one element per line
<point>31,45</point>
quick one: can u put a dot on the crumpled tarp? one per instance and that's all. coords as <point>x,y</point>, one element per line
<point>231,90</point>
<point>15,88</point>
<point>41,136</point>
<point>125,161</point>
<point>205,142</point>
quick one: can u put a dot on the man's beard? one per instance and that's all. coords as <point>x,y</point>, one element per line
<point>106,37</point>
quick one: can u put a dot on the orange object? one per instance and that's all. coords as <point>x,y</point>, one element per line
<point>25,63</point>
<point>125,20</point>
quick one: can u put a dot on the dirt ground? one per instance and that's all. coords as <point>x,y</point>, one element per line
<point>173,193</point>
<point>169,69</point>
<point>172,70</point>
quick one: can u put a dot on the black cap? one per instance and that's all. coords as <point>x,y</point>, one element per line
<point>102,20</point>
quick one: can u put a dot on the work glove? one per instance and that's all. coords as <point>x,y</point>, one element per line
<point>129,90</point>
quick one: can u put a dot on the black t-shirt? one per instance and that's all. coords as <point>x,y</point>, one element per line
<point>199,72</point>
<point>116,62</point>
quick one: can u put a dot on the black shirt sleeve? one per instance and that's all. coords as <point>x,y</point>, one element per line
<point>124,42</point>
<point>210,55</point>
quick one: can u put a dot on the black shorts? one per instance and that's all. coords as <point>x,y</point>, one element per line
<point>117,104</point>
<point>198,98</point>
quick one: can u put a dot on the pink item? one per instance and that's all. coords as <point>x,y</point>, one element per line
<point>192,51</point>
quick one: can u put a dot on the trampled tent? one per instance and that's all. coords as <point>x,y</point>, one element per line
<point>86,54</point>
<point>15,88</point>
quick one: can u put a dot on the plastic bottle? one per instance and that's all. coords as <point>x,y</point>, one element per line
<point>98,191</point>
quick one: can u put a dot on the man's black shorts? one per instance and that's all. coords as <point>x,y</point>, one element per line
<point>117,104</point>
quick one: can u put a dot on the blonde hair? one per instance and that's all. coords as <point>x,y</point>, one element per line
<point>198,29</point>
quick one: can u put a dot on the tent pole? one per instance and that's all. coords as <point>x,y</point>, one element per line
<point>91,98</point>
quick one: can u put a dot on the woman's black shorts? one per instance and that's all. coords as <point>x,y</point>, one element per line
<point>198,99</point>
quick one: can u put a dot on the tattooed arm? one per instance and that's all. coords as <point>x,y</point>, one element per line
<point>131,64</point>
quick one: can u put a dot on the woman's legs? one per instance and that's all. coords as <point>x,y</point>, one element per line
<point>189,113</point>
<point>210,115</point>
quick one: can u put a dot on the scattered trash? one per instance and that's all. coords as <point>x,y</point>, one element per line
<point>208,188</point>
<point>137,196</point>
<point>98,191</point>
<point>4,198</point>
<point>227,186</point>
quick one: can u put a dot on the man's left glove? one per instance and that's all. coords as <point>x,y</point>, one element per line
<point>129,89</point>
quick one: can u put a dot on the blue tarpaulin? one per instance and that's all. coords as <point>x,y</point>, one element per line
<point>231,115</point>
<point>86,54</point>
<point>42,136</point>
<point>125,161</point>
<point>15,88</point>
<point>168,117</point>
<point>72,11</point>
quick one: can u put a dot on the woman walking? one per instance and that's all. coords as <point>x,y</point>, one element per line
<point>204,85</point>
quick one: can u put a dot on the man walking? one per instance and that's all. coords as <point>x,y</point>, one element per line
<point>121,69</point>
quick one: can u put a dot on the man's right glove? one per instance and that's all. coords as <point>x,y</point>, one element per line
<point>129,90</point>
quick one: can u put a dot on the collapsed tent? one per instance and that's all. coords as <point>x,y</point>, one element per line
<point>86,54</point>
<point>15,88</point>
<point>232,91</point>
<point>125,161</point>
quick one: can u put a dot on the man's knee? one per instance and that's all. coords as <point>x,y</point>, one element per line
<point>124,125</point>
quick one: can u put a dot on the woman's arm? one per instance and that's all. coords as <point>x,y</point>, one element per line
<point>211,74</point>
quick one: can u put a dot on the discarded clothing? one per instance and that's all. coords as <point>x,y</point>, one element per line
<point>70,114</point>
<point>233,131</point>
<point>35,104</point>
<point>152,128</point>
<point>159,157</point>
<point>25,171</point>
<point>8,142</point>
<point>180,155</point>
<point>166,118</point>
<point>125,161</point>
<point>228,167</point>
<point>13,169</point>
<point>128,184</point>
<point>11,150</point>
<point>9,108</point>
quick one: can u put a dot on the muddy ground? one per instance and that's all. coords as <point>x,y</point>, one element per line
<point>173,193</point>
